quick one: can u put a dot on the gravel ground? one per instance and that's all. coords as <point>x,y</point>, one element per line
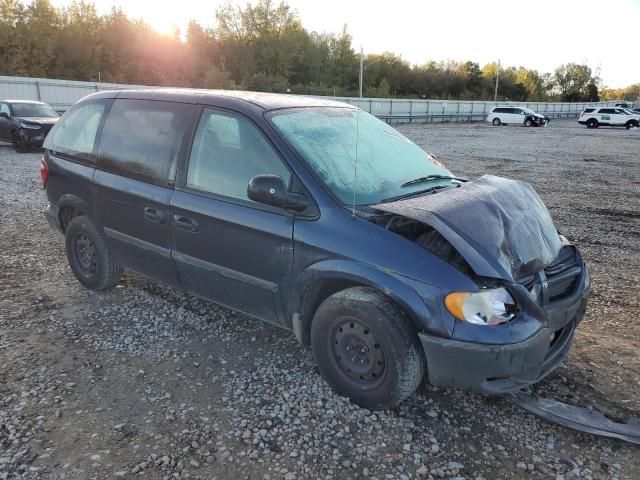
<point>146,381</point>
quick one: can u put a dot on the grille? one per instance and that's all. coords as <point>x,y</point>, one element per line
<point>563,274</point>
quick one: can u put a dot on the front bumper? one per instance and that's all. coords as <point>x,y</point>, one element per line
<point>33,138</point>
<point>502,368</point>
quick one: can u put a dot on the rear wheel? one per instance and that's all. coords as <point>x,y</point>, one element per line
<point>496,121</point>
<point>88,255</point>
<point>367,348</point>
<point>592,123</point>
<point>19,144</point>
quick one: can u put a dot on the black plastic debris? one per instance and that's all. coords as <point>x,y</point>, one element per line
<point>578,418</point>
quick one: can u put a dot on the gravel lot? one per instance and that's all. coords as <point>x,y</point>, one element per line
<point>145,381</point>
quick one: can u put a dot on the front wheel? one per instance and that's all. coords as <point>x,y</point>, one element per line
<point>496,122</point>
<point>88,255</point>
<point>630,124</point>
<point>366,348</point>
<point>528,122</point>
<point>19,144</point>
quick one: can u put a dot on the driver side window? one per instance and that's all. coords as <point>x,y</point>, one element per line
<point>228,151</point>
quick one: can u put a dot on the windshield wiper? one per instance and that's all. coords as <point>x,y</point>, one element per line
<point>414,194</point>
<point>430,178</point>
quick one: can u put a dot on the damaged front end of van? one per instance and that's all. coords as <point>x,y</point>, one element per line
<point>532,284</point>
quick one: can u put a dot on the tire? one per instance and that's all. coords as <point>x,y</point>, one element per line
<point>88,255</point>
<point>528,122</point>
<point>630,124</point>
<point>592,123</point>
<point>496,122</point>
<point>387,361</point>
<point>19,144</point>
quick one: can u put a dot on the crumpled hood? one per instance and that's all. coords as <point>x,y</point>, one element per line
<point>500,226</point>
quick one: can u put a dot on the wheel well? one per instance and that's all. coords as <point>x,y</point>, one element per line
<point>314,295</point>
<point>67,214</point>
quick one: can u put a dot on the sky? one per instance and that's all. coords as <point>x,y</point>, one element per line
<point>540,34</point>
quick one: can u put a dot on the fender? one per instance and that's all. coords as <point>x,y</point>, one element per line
<point>71,200</point>
<point>349,272</point>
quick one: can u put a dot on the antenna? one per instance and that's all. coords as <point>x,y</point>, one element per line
<point>355,164</point>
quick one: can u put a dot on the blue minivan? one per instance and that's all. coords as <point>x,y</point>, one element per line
<point>321,219</point>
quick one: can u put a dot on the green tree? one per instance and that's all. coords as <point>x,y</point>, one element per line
<point>570,81</point>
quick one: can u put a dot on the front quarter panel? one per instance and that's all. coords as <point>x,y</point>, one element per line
<point>341,246</point>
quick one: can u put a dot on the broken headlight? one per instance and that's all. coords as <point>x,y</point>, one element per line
<point>486,307</point>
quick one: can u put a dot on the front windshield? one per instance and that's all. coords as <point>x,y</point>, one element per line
<point>325,138</point>
<point>33,110</point>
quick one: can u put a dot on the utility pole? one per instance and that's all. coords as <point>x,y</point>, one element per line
<point>361,69</point>
<point>495,93</point>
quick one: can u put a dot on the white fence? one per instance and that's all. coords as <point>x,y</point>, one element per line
<point>61,94</point>
<point>392,109</point>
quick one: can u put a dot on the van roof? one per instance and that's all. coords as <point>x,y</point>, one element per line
<point>266,101</point>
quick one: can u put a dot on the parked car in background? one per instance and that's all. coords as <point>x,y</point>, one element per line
<point>516,116</point>
<point>594,117</point>
<point>634,113</point>
<point>249,200</point>
<point>25,123</point>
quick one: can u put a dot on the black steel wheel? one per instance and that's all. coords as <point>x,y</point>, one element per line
<point>19,144</point>
<point>367,348</point>
<point>85,252</point>
<point>358,353</point>
<point>89,256</point>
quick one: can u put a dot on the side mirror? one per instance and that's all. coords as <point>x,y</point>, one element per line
<point>271,190</point>
<point>4,115</point>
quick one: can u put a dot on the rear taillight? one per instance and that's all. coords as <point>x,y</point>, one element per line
<point>44,172</point>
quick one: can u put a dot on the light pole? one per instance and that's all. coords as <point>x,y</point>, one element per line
<point>495,93</point>
<point>361,69</point>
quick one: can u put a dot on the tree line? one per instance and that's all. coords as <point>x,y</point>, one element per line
<point>261,46</point>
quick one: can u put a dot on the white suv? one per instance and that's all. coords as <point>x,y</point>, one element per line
<point>516,116</point>
<point>594,117</point>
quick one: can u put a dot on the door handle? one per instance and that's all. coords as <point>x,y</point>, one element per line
<point>154,215</point>
<point>185,223</point>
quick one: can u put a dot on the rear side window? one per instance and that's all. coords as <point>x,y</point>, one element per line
<point>75,133</point>
<point>141,139</point>
<point>498,110</point>
<point>228,151</point>
<point>607,110</point>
